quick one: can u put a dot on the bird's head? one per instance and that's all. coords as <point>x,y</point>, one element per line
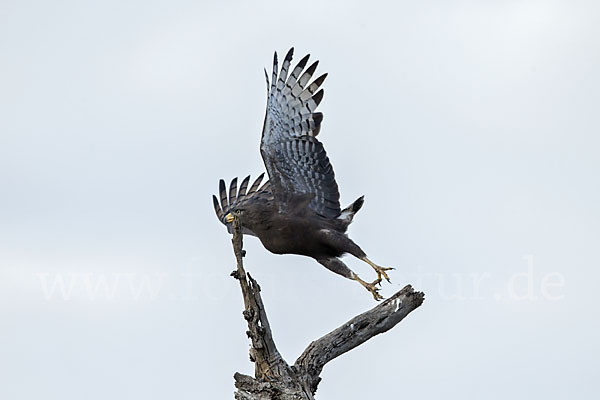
<point>235,213</point>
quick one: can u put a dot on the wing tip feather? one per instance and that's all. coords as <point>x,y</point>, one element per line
<point>290,54</point>
<point>318,97</point>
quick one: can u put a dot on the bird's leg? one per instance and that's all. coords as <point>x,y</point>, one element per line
<point>371,287</point>
<point>336,265</point>
<point>343,242</point>
<point>380,270</point>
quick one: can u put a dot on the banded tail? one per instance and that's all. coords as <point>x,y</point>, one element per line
<point>348,213</point>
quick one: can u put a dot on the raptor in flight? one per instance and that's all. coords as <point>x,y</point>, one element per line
<point>297,211</point>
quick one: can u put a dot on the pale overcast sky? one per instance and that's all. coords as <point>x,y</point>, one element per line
<point>471,127</point>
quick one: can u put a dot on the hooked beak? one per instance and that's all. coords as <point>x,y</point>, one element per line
<point>229,218</point>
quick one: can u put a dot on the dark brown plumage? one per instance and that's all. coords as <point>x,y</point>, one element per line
<point>298,210</point>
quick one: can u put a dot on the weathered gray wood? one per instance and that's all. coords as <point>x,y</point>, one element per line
<point>273,377</point>
<point>267,360</point>
<point>354,333</point>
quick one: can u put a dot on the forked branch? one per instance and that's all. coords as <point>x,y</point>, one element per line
<point>274,377</point>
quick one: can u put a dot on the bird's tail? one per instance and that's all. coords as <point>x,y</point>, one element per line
<point>347,213</point>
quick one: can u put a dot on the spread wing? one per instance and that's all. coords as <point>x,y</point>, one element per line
<point>240,198</point>
<point>295,160</point>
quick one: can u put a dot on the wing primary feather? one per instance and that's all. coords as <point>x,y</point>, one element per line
<point>284,69</point>
<point>311,104</point>
<point>317,99</point>
<point>312,88</point>
<point>266,186</point>
<point>223,194</point>
<point>256,184</point>
<point>232,192</point>
<point>274,75</point>
<point>217,208</point>
<point>243,187</point>
<point>293,78</point>
<point>306,76</point>
<point>267,79</point>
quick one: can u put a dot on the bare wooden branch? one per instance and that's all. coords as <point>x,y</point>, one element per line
<point>274,377</point>
<point>354,333</point>
<point>267,360</point>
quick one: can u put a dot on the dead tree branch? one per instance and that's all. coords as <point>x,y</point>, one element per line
<point>274,378</point>
<point>354,333</point>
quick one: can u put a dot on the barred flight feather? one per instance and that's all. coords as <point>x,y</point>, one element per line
<point>274,74</point>
<point>295,160</point>
<point>256,184</point>
<point>223,194</point>
<point>232,192</point>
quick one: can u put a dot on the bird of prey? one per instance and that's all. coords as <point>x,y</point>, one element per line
<point>297,211</point>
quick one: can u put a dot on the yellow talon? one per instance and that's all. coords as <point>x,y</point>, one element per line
<point>380,270</point>
<point>371,287</point>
